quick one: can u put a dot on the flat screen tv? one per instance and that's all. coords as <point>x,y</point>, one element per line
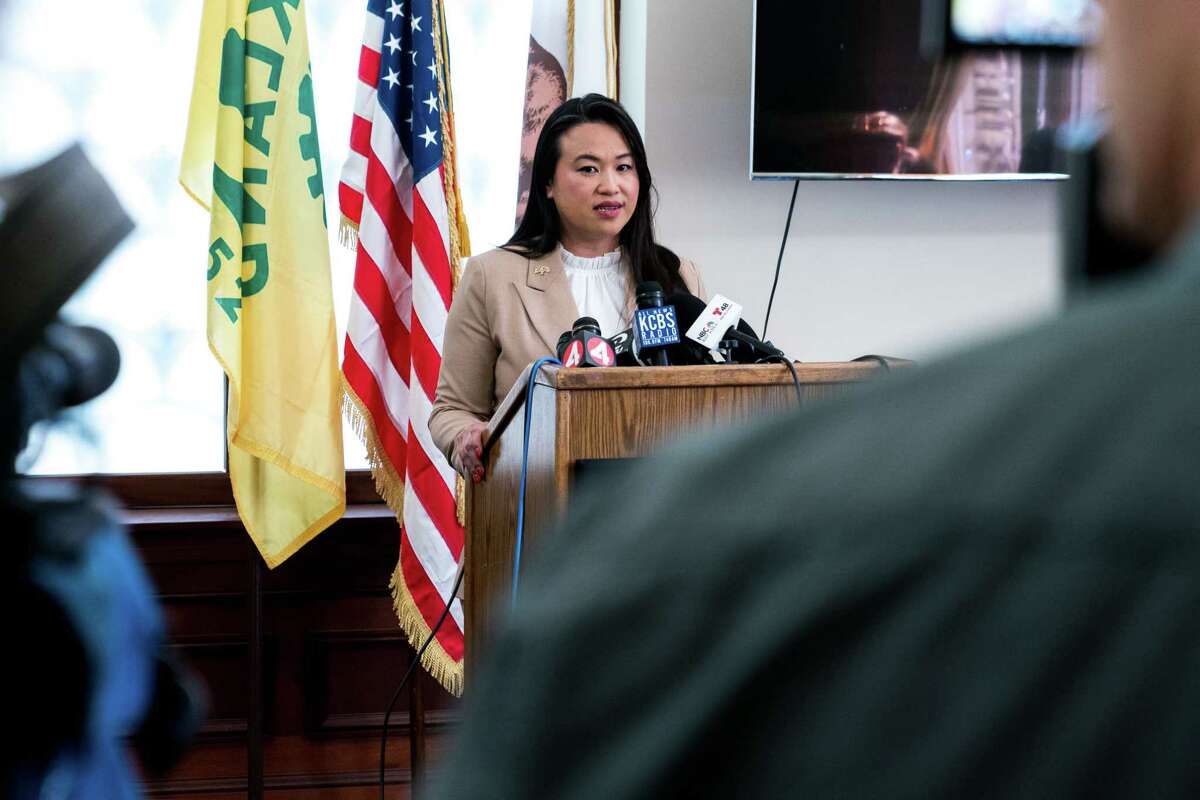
<point>842,90</point>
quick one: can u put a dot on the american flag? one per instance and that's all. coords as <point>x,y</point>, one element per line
<point>398,191</point>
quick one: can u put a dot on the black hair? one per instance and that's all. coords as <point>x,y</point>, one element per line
<point>540,228</point>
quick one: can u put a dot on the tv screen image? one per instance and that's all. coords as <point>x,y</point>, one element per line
<point>1065,23</point>
<point>841,89</point>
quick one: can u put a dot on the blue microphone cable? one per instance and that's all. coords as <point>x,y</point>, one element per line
<point>518,545</point>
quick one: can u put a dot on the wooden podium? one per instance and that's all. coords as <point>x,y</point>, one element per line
<point>583,414</point>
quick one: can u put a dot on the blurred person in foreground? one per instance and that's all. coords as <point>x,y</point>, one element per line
<point>981,579</point>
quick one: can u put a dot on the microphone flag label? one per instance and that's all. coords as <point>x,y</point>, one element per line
<point>601,352</point>
<point>657,326</point>
<point>719,315</point>
<point>574,355</point>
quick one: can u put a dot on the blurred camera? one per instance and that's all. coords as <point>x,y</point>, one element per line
<point>91,668</point>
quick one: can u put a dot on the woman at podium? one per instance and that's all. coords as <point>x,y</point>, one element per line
<point>585,243</point>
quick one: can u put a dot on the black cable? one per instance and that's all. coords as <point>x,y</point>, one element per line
<point>403,681</point>
<point>779,263</point>
<point>787,362</point>
<point>880,360</point>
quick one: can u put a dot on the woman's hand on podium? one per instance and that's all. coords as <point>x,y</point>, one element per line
<point>468,452</point>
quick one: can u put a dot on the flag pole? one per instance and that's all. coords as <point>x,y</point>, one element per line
<point>416,733</point>
<point>254,748</point>
<point>254,717</point>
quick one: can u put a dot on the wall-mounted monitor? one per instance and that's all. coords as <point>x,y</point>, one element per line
<point>841,90</point>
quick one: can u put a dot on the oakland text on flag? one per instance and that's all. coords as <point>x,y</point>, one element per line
<point>399,199</point>
<point>251,158</point>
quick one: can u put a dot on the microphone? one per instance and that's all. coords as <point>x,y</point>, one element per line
<point>655,324</point>
<point>583,346</point>
<point>718,323</point>
<point>710,326</point>
<point>624,347</point>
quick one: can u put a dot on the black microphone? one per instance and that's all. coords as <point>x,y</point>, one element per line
<point>583,346</point>
<point>624,348</point>
<point>562,344</point>
<point>655,324</point>
<point>691,308</point>
<point>588,324</point>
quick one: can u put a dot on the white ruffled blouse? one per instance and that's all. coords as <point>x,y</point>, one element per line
<point>600,287</point>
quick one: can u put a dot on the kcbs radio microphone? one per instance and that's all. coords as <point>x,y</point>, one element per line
<point>585,347</point>
<point>655,325</point>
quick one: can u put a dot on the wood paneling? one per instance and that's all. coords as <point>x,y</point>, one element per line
<point>332,657</point>
<point>203,489</point>
<point>720,375</point>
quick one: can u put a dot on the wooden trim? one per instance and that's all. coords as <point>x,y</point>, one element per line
<point>196,489</point>
<point>394,776</point>
<point>335,724</point>
<point>319,649</point>
<point>719,375</point>
<point>190,647</point>
<point>226,516</point>
<point>708,375</point>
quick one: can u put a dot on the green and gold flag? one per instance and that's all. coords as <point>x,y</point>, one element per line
<point>251,159</point>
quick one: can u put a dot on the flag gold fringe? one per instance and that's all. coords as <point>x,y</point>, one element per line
<point>612,79</point>
<point>348,233</point>
<point>436,661</point>
<point>388,482</point>
<point>570,48</point>
<point>460,500</point>
<point>460,239</point>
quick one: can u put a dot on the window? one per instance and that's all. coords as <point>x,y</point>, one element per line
<point>119,79</point>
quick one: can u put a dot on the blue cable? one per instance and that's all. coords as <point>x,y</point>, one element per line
<point>519,544</point>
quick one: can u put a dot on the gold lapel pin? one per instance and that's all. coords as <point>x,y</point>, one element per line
<point>541,269</point>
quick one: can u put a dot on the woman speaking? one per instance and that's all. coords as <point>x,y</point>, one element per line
<point>585,243</point>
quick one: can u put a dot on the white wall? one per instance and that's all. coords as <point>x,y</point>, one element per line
<point>906,269</point>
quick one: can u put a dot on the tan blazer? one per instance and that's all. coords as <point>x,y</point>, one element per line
<point>508,311</point>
